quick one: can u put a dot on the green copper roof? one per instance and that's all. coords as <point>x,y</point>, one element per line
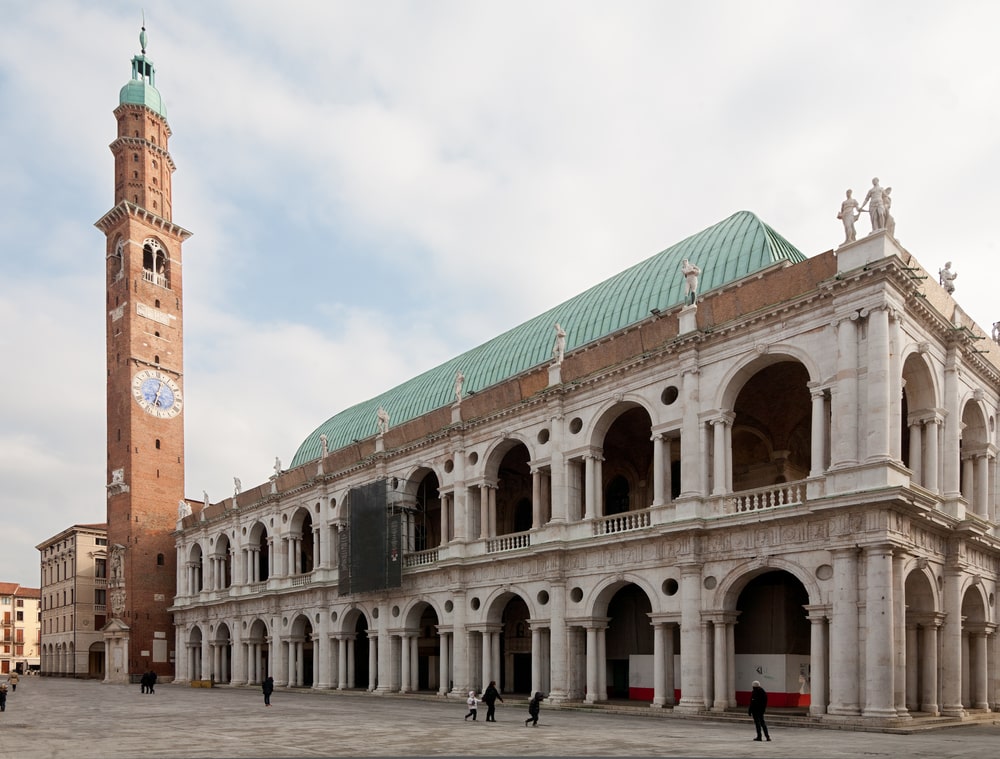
<point>141,90</point>
<point>725,252</point>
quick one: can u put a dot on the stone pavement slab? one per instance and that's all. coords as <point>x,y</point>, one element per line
<point>51,718</point>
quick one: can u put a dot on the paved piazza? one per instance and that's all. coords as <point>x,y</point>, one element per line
<point>53,718</point>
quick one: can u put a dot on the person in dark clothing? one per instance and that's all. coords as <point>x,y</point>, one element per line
<point>268,687</point>
<point>152,681</point>
<point>490,697</point>
<point>3,697</point>
<point>758,705</point>
<point>533,708</point>
<point>144,683</point>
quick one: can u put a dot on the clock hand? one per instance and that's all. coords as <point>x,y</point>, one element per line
<point>156,399</point>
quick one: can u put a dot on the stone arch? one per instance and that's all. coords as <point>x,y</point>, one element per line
<point>507,468</point>
<point>258,650</point>
<point>222,640</point>
<point>771,442</point>
<point>300,529</point>
<point>974,453</point>
<point>507,632</point>
<point>741,372</point>
<point>728,590</point>
<point>605,415</point>
<point>301,657</point>
<point>424,618</point>
<point>620,626</point>
<point>156,261</point>
<point>601,594</point>
<point>223,554</point>
<point>421,498</point>
<point>196,568</point>
<point>258,544</point>
<point>767,605</point>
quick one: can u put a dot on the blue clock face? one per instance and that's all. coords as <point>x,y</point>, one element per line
<point>157,393</point>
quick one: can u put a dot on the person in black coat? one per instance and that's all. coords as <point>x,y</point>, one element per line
<point>533,708</point>
<point>758,705</point>
<point>268,687</point>
<point>490,697</point>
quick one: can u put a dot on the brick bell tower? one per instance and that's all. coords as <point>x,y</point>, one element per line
<point>145,373</point>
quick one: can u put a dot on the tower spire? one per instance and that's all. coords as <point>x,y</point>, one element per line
<point>142,34</point>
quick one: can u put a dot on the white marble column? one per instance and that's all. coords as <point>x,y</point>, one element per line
<point>951,645</point>
<point>720,457</point>
<point>558,675</point>
<point>879,633</point>
<point>446,507</point>
<point>844,397</point>
<point>536,659</point>
<point>720,662</point>
<point>692,671</point>
<point>690,433</point>
<point>844,649</point>
<point>444,663</point>
<point>658,465</point>
<point>593,687</point>
<point>877,411</point>
<point>484,511</point>
<point>899,631</point>
<point>916,450</point>
<point>952,426</point>
<point>979,667</point>
<point>818,434</point>
<point>404,662</point>
<point>932,462</point>
<point>590,496</point>
<point>818,660</point>
<point>659,672</point>
<point>460,647</point>
<point>929,665</point>
<point>536,498</point>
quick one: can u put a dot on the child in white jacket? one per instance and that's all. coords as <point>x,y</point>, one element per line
<point>473,703</point>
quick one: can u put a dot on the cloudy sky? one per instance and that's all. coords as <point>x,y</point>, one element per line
<point>375,187</point>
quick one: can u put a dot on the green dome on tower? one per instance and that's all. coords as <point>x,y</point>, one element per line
<point>141,89</point>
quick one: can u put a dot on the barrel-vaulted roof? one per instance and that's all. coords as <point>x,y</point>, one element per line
<point>725,252</point>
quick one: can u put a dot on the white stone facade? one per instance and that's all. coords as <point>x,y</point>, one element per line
<point>74,601</point>
<point>792,480</point>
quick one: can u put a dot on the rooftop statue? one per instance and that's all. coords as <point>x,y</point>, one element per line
<point>875,200</point>
<point>849,214</point>
<point>559,349</point>
<point>459,379</point>
<point>947,278</point>
<point>382,420</point>
<point>690,272</point>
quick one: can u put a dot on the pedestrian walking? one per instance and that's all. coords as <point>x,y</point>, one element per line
<point>534,706</point>
<point>14,677</point>
<point>268,687</point>
<point>473,704</point>
<point>3,697</point>
<point>490,697</point>
<point>152,681</point>
<point>144,683</point>
<point>758,705</point>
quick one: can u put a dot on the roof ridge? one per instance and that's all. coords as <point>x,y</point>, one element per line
<point>725,252</point>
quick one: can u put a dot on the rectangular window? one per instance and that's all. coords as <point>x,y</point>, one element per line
<point>100,596</point>
<point>102,541</point>
<point>100,568</point>
<point>20,616</point>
